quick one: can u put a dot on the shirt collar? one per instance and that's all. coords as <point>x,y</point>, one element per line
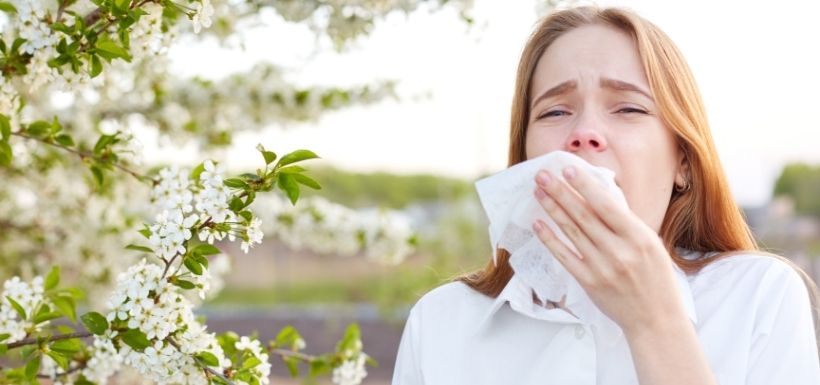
<point>519,296</point>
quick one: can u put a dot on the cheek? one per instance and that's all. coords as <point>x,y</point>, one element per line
<point>648,175</point>
<point>538,142</point>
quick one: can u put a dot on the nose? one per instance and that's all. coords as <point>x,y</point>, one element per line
<point>585,137</point>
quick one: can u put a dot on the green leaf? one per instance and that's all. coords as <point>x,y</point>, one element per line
<point>45,314</point>
<point>98,174</point>
<point>250,198</point>
<point>269,156</point>
<point>32,367</point>
<point>307,181</point>
<point>197,171</point>
<point>55,126</point>
<point>236,204</point>
<point>296,156</point>
<point>5,128</point>
<point>251,362</point>
<point>53,278</point>
<point>207,358</point>
<point>203,261</point>
<point>293,365</point>
<point>17,308</point>
<point>295,169</point>
<point>65,140</point>
<point>17,43</point>
<point>228,341</point>
<point>94,322</point>
<point>4,336</point>
<point>289,186</point>
<point>319,367</point>
<point>96,66</point>
<point>145,232</point>
<point>60,359</point>
<point>193,266</point>
<point>287,336</point>
<point>38,128</point>
<point>110,50</point>
<point>206,249</point>
<point>102,143</point>
<point>67,346</point>
<point>6,7</point>
<point>187,285</point>
<point>139,248</point>
<point>121,5</point>
<point>135,339</point>
<point>352,334</point>
<point>66,306</point>
<point>5,154</point>
<point>235,183</point>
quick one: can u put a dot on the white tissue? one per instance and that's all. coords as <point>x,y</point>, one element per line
<point>507,198</point>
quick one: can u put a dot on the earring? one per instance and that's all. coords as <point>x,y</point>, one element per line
<point>682,189</point>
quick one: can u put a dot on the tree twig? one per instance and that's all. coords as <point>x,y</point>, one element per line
<point>290,353</point>
<point>87,155</point>
<point>67,372</point>
<point>32,341</point>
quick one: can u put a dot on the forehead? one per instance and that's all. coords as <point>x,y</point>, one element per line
<point>586,54</point>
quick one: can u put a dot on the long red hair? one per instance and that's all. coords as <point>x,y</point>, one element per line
<point>705,218</point>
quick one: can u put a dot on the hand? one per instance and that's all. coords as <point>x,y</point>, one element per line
<point>621,262</point>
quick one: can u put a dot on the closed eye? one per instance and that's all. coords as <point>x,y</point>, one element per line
<point>632,110</point>
<point>551,114</point>
<point>554,113</point>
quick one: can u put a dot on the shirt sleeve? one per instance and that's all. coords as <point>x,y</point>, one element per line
<point>784,344</point>
<point>407,370</point>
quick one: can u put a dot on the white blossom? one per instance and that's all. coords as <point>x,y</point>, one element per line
<point>351,372</point>
<point>29,296</point>
<point>326,227</point>
<point>202,15</point>
<point>254,234</point>
<point>104,362</point>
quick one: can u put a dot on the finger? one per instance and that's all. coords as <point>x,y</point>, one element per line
<point>568,258</point>
<point>573,216</point>
<point>616,216</point>
<point>582,244</point>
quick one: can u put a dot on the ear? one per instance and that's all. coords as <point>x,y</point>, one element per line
<point>683,173</point>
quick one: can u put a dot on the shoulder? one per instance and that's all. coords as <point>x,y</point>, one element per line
<point>766,285</point>
<point>449,302</point>
<point>751,268</point>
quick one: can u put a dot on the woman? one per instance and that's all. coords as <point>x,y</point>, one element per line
<point>612,88</point>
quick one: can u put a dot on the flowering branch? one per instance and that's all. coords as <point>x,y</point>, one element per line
<point>34,341</point>
<point>85,155</point>
<point>65,373</point>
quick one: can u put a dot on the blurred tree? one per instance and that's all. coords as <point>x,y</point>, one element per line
<point>801,183</point>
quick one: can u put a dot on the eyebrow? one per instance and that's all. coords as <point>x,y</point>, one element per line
<point>572,85</point>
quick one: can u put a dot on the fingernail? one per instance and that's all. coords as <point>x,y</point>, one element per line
<point>538,226</point>
<point>569,172</point>
<point>542,178</point>
<point>539,193</point>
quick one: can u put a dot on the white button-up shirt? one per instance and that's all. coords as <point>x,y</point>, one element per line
<point>751,313</point>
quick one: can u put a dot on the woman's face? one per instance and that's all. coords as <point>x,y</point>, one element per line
<point>590,97</point>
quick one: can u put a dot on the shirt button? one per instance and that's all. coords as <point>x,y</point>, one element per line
<point>579,331</point>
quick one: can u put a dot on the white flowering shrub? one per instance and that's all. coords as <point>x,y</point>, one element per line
<point>78,78</point>
<point>81,77</point>
<point>148,323</point>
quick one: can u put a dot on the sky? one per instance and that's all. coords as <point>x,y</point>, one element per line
<point>756,64</point>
